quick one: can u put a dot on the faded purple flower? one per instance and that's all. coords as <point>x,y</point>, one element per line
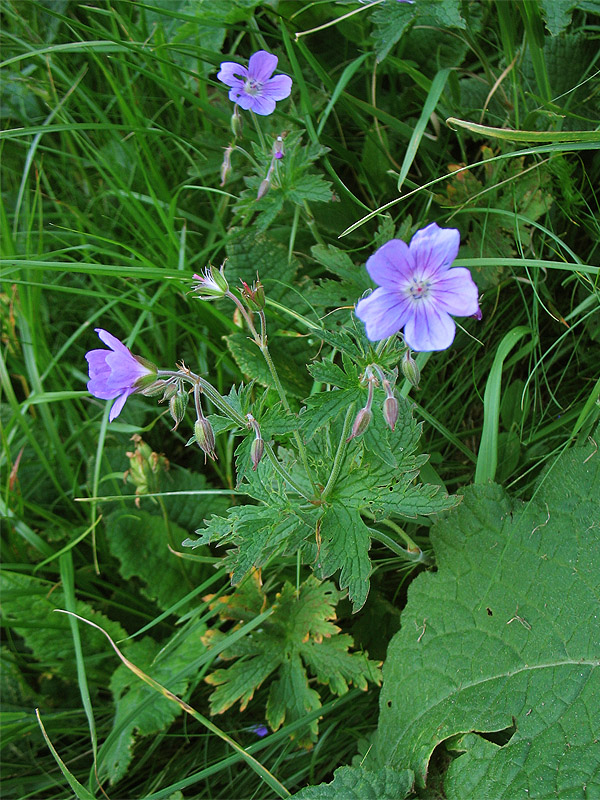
<point>252,87</point>
<point>117,372</point>
<point>259,730</point>
<point>418,291</point>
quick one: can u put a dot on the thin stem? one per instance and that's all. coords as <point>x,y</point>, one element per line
<point>284,474</point>
<point>244,313</point>
<point>340,453</point>
<point>283,397</point>
<point>263,142</point>
<point>208,389</point>
<point>396,548</point>
<point>412,546</point>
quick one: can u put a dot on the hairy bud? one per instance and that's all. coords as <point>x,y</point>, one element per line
<point>361,423</point>
<point>205,437</point>
<point>226,165</point>
<point>256,451</point>
<point>263,188</point>
<point>410,370</point>
<point>278,147</point>
<point>177,406</point>
<point>237,124</point>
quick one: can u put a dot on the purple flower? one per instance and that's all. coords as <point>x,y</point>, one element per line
<point>116,372</point>
<point>253,87</point>
<point>418,291</point>
<point>259,730</point>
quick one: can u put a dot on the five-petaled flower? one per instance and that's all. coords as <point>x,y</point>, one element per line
<point>418,291</point>
<point>252,87</point>
<point>117,372</point>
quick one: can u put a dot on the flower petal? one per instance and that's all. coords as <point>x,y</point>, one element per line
<point>429,328</point>
<point>278,88</point>
<point>239,96</point>
<point>261,105</point>
<point>124,370</point>
<point>457,293</point>
<point>117,406</point>
<point>383,312</point>
<point>112,341</point>
<point>434,249</point>
<point>392,264</point>
<point>261,66</point>
<point>232,74</point>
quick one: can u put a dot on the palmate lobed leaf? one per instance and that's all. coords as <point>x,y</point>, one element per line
<point>297,639</point>
<point>505,637</point>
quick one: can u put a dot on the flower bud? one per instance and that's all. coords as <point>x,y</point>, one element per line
<point>149,386</point>
<point>256,451</point>
<point>226,165</point>
<point>278,147</point>
<point>205,437</point>
<point>410,370</point>
<point>263,188</point>
<point>177,406</point>
<point>236,122</point>
<point>254,295</point>
<point>390,411</point>
<point>361,423</point>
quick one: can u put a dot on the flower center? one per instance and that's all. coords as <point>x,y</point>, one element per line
<point>419,290</point>
<point>252,87</point>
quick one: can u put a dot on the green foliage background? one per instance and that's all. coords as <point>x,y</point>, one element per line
<point>113,133</point>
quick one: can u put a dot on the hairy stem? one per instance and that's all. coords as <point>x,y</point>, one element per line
<point>340,453</point>
<point>208,389</point>
<point>409,555</point>
<point>283,397</point>
<point>284,474</point>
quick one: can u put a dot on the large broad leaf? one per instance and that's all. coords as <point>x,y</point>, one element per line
<point>140,541</point>
<point>505,637</point>
<point>140,709</point>
<point>356,783</point>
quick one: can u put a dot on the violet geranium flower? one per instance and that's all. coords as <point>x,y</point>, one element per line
<point>418,291</point>
<point>253,87</point>
<point>117,372</point>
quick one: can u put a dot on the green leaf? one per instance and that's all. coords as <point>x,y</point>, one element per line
<point>291,698</point>
<point>28,605</point>
<point>345,543</point>
<point>356,783</point>
<point>140,541</point>
<point>289,355</point>
<point>298,638</point>
<point>310,188</point>
<point>140,710</point>
<point>390,21</point>
<point>352,284</point>
<point>557,14</point>
<point>249,251</point>
<point>504,637</point>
